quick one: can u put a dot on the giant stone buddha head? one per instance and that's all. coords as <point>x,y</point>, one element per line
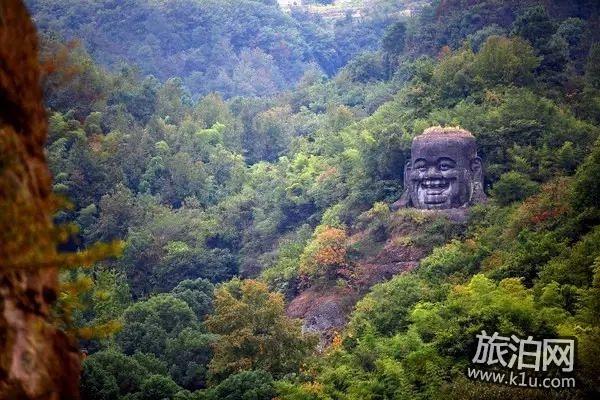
<point>444,171</point>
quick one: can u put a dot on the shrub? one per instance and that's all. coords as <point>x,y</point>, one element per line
<point>512,187</point>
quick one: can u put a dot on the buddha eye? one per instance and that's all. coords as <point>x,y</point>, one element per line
<point>420,165</point>
<point>446,165</point>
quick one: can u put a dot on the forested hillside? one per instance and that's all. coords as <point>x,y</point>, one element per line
<point>245,158</point>
<point>238,48</point>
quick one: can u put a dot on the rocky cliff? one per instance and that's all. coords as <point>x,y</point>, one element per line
<point>381,250</point>
<point>37,361</point>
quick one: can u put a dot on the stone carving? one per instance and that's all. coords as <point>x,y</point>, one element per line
<point>444,171</point>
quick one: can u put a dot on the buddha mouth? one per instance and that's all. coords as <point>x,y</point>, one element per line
<point>435,190</point>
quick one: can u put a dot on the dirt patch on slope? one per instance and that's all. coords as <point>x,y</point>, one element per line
<point>325,309</point>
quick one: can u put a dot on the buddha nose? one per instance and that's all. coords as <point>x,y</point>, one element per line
<point>433,173</point>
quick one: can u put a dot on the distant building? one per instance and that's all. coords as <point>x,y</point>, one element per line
<point>286,5</point>
<point>340,9</point>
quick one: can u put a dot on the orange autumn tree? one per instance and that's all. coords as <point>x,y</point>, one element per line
<point>325,258</point>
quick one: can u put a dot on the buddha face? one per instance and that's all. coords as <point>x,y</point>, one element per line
<point>443,172</point>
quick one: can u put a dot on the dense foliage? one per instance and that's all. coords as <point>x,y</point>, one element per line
<point>234,47</point>
<point>275,185</point>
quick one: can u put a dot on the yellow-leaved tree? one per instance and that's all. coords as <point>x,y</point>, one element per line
<point>254,332</point>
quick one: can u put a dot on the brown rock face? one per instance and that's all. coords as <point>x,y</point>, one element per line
<point>37,361</point>
<point>325,309</point>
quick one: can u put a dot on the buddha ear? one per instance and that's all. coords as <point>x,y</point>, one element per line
<point>404,200</point>
<point>477,169</point>
<point>478,195</point>
<point>407,169</point>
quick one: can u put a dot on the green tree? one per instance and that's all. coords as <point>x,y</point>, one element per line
<point>148,324</point>
<point>505,61</point>
<point>157,387</point>
<point>106,370</point>
<point>269,135</point>
<point>97,383</point>
<point>118,210</point>
<point>586,192</point>
<point>393,43</point>
<point>592,67</point>
<point>246,385</point>
<point>188,355</point>
<point>393,39</point>
<point>386,309</point>
<point>513,186</point>
<point>534,24</point>
<point>198,294</point>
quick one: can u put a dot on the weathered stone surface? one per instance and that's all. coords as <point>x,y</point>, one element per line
<point>444,171</point>
<point>37,361</point>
